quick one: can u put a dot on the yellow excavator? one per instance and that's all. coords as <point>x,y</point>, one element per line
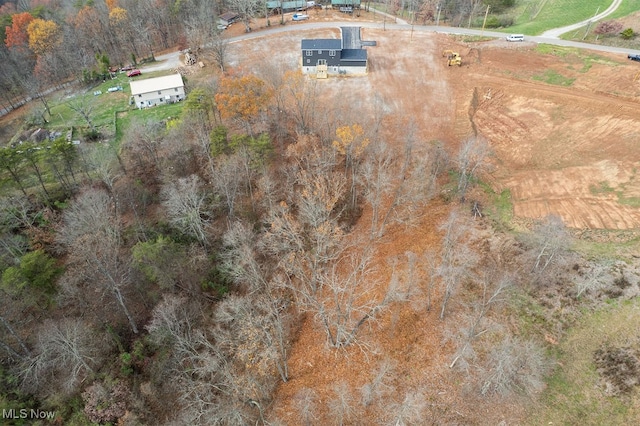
<point>453,58</point>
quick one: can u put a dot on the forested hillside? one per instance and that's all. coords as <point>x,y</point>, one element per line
<point>275,249</point>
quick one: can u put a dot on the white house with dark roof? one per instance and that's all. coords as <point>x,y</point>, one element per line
<point>157,91</point>
<point>336,56</point>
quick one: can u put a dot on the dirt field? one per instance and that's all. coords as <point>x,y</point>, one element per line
<point>565,150</point>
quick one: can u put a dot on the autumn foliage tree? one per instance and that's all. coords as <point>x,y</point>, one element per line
<point>17,36</point>
<point>243,99</point>
<point>43,36</point>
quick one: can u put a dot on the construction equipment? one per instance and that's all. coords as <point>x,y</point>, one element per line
<point>453,58</point>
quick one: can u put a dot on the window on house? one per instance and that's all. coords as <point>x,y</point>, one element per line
<point>309,53</point>
<point>175,89</point>
<point>161,99</point>
<point>332,53</point>
<point>159,92</point>
<point>319,52</point>
<point>139,96</point>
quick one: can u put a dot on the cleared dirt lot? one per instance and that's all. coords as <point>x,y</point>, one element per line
<point>567,150</point>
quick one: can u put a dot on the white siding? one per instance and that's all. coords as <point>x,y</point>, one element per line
<point>144,100</point>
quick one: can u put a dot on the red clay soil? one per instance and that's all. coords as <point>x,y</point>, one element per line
<point>567,150</point>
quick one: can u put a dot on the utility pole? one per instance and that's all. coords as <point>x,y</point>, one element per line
<point>438,18</point>
<point>589,24</point>
<point>485,20</point>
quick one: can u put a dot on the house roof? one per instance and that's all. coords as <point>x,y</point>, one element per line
<point>353,55</point>
<point>322,44</point>
<point>154,84</point>
<point>228,16</point>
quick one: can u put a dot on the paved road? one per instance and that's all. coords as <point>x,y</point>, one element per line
<point>170,61</point>
<point>557,32</point>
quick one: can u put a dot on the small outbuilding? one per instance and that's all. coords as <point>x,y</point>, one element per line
<point>228,18</point>
<point>157,91</point>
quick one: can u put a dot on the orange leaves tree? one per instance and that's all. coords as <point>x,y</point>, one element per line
<point>44,36</point>
<point>17,36</point>
<point>243,99</point>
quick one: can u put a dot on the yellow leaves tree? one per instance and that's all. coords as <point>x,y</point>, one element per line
<point>351,142</point>
<point>118,16</point>
<point>44,36</point>
<point>243,99</point>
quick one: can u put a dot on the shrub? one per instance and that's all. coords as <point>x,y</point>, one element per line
<point>92,135</point>
<point>627,34</point>
<point>608,27</point>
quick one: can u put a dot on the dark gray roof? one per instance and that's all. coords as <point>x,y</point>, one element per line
<point>353,55</point>
<point>350,37</point>
<point>322,44</point>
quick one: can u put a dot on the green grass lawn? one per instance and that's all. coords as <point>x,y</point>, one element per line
<point>575,394</point>
<point>533,17</point>
<point>127,117</point>
<point>105,107</point>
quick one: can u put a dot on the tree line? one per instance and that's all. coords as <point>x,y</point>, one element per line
<point>45,43</point>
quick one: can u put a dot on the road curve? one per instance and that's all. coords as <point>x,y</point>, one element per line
<point>430,28</point>
<point>557,32</point>
<point>169,61</point>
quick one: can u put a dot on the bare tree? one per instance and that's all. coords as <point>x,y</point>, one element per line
<point>6,343</point>
<point>551,241</point>
<point>410,190</point>
<point>184,202</point>
<point>220,49</point>
<point>472,159</point>
<point>301,97</point>
<point>239,258</point>
<point>456,257</point>
<point>103,161</point>
<point>410,411</point>
<point>593,279</point>
<point>66,352</point>
<point>347,301</point>
<point>379,386</point>
<point>228,180</point>
<point>254,329</point>
<point>515,366</point>
<point>377,177</point>
<point>91,235</point>
<point>247,9</point>
<point>200,23</point>
<point>306,403</point>
<point>209,388</point>
<point>342,406</point>
<point>493,292</point>
<point>84,108</point>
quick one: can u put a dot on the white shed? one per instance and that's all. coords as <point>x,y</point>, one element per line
<point>157,91</point>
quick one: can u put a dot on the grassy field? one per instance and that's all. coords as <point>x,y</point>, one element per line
<point>575,394</point>
<point>533,17</point>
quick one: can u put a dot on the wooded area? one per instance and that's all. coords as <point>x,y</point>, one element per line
<point>164,279</point>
